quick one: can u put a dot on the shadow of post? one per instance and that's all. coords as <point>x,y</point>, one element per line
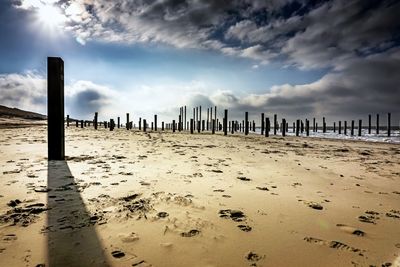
<point>72,239</point>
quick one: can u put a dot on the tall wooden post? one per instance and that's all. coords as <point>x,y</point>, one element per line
<point>208,118</point>
<point>95,120</point>
<point>118,123</point>
<point>246,121</point>
<point>340,127</point>
<point>359,127</point>
<point>67,120</point>
<point>144,125</point>
<point>185,118</point>
<point>173,126</point>
<point>213,127</point>
<point>377,123</point>
<point>369,124</point>
<point>334,127</point>
<point>297,127</point>
<point>352,128</point>
<point>283,127</point>
<point>191,126</point>
<point>162,126</point>
<point>55,109</point>
<point>262,123</point>
<point>81,123</point>
<point>127,121</point>
<point>388,125</point>
<point>140,124</point>
<point>323,125</point>
<point>307,127</point>
<point>345,128</point>
<point>275,124</point>
<point>179,123</point>
<point>314,128</point>
<point>225,122</point>
<point>200,114</point>
<point>267,127</point>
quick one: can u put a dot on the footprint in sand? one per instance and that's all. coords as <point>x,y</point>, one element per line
<point>333,244</point>
<point>243,178</point>
<point>191,233</point>
<point>350,229</point>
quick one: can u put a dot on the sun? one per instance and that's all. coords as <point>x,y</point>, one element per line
<point>50,16</point>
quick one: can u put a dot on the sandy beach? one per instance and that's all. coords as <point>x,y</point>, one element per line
<point>128,198</point>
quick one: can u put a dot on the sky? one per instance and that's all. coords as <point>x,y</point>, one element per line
<point>299,59</point>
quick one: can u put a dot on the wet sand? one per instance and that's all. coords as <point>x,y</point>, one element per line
<point>128,198</point>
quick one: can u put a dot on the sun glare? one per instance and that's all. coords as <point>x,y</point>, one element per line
<point>50,17</point>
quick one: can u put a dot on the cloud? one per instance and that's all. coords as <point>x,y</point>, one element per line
<point>27,91</point>
<point>320,34</point>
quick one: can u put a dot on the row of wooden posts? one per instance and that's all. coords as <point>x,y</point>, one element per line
<point>213,124</point>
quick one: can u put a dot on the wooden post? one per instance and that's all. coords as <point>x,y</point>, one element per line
<point>203,122</point>
<point>369,124</point>
<point>340,127</point>
<point>140,124</point>
<point>105,124</point>
<point>254,126</point>
<point>262,123</point>
<point>215,113</point>
<point>185,118</point>
<point>275,124</point>
<point>112,124</point>
<point>162,126</point>
<point>352,128</point>
<point>301,126</point>
<point>191,126</point>
<point>314,128</point>
<point>297,127</point>
<point>345,128</point>
<point>84,123</point>
<point>213,126</point>
<point>294,127</point>
<point>179,123</point>
<point>307,127</point>
<point>225,122</point>
<point>67,120</point>
<point>95,120</point>
<point>173,126</point>
<point>233,127</point>
<point>267,127</point>
<point>200,114</point>
<point>283,127</point>
<point>323,125</point>
<point>55,109</point>
<point>359,127</point>
<point>152,125</point>
<point>144,125</point>
<point>118,123</point>
<point>377,123</point>
<point>208,117</point>
<point>246,121</point>
<point>81,123</point>
<point>388,125</point>
<point>155,122</point>
<point>334,127</point>
<point>127,121</point>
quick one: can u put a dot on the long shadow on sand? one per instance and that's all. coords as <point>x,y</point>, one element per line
<point>72,238</point>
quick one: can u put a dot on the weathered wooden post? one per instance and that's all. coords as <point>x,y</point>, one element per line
<point>297,127</point>
<point>84,123</point>
<point>127,121</point>
<point>345,128</point>
<point>155,122</point>
<point>112,124</point>
<point>246,121</point>
<point>225,122</point>
<point>67,120</point>
<point>352,128</point>
<point>118,122</point>
<point>314,128</point>
<point>208,117</point>
<point>217,128</point>
<point>162,126</point>
<point>323,125</point>
<point>105,124</point>
<point>359,127</point>
<point>388,125</point>
<point>267,127</point>
<point>179,123</point>
<point>140,124</point>
<point>144,125</point>
<point>275,124</point>
<point>262,123</point>
<point>283,127</point>
<point>334,127</point>
<point>377,123</point>
<point>294,127</point>
<point>95,120</point>
<point>185,119</point>
<point>215,113</point>
<point>340,127</point>
<point>254,126</point>
<point>191,126</point>
<point>200,114</point>
<point>203,125</point>
<point>233,127</point>
<point>55,109</point>
<point>173,126</point>
<point>81,123</point>
<point>152,125</point>
<point>369,124</point>
<point>213,126</point>
<point>307,127</point>
<point>301,126</point>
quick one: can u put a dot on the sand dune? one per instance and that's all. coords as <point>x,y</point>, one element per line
<point>127,198</point>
